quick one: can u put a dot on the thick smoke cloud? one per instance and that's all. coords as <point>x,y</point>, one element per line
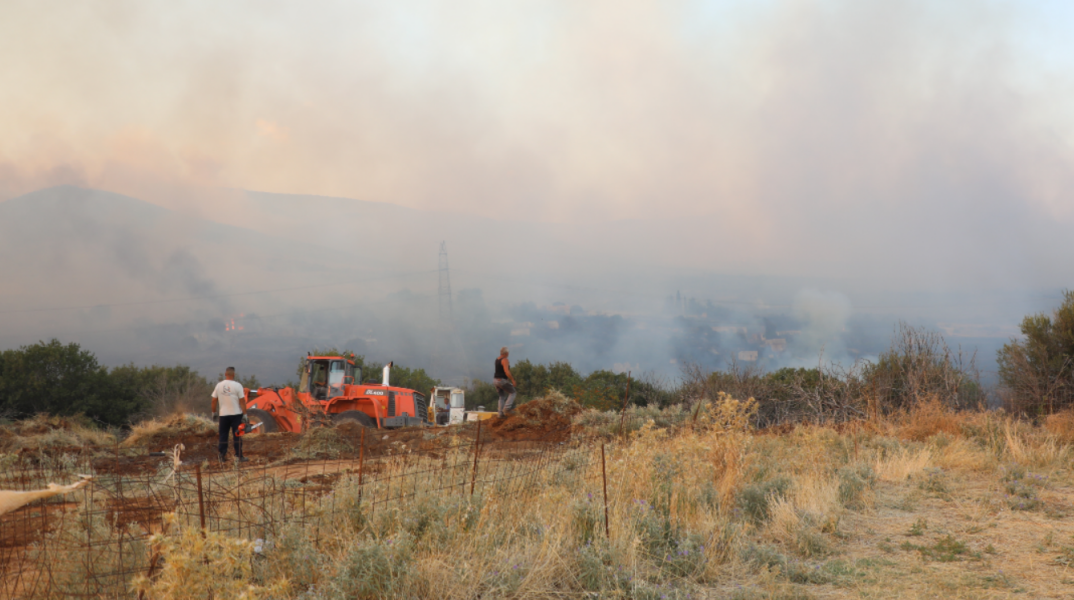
<point>909,159</point>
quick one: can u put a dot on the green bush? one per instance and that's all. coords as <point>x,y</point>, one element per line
<point>1038,372</point>
<point>602,390</point>
<point>65,380</point>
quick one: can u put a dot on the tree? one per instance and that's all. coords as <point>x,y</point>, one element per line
<point>919,365</point>
<point>65,380</point>
<point>1037,371</point>
<point>165,390</point>
<point>534,380</point>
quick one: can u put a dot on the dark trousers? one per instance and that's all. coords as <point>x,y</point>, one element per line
<point>230,424</point>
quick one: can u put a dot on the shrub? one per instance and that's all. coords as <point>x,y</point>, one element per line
<point>919,366</point>
<point>1021,488</point>
<point>767,557</point>
<point>64,380</point>
<point>754,499</point>
<point>1037,372</point>
<point>1061,425</point>
<point>376,568</point>
<point>853,483</point>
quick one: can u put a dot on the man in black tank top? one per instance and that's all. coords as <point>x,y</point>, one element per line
<point>505,383</point>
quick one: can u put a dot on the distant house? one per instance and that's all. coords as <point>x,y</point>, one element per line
<point>777,344</point>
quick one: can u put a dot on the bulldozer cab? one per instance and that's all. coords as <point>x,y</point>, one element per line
<point>325,378</point>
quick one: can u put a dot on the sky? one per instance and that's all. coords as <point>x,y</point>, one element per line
<point>864,149</point>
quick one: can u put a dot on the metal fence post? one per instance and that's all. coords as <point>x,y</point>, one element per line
<point>201,501</point>
<point>361,466</point>
<point>477,449</point>
<point>604,477</point>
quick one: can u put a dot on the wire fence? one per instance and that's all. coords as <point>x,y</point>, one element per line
<point>93,542</point>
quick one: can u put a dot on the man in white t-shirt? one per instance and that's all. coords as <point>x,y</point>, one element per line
<point>229,402</point>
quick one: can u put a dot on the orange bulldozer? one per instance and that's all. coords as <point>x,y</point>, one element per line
<point>330,391</point>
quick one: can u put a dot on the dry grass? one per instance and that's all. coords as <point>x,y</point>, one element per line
<point>43,431</point>
<point>927,505</point>
<point>148,432</point>
<point>902,464</point>
<point>927,419</point>
<point>1061,425</point>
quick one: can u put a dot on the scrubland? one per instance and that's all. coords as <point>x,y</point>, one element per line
<point>925,503</point>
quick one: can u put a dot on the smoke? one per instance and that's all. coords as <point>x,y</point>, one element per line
<point>910,156</point>
<point>823,317</point>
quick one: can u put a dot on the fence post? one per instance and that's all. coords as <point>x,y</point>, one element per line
<point>201,501</point>
<point>477,448</point>
<point>604,477</point>
<point>89,523</point>
<point>626,400</point>
<point>700,401</point>
<point>361,466</point>
<point>119,511</point>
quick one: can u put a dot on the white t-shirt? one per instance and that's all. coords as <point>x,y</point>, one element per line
<point>229,395</point>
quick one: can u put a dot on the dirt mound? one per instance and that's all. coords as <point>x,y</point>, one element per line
<point>164,434</point>
<point>51,434</point>
<point>546,419</point>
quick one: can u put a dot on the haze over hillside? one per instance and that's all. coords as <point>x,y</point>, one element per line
<point>279,275</point>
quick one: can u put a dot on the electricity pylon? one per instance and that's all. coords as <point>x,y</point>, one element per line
<point>449,361</point>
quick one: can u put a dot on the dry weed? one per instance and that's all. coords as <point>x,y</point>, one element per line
<point>144,433</point>
<point>961,454</point>
<point>902,465</point>
<point>1025,447</point>
<point>814,500</point>
<point>200,564</point>
<point>44,431</point>
<point>1061,425</point>
<point>927,419</point>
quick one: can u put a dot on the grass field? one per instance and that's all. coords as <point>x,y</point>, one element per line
<point>925,504</point>
<point>930,504</point>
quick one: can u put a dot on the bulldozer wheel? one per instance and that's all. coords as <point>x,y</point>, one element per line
<point>353,415</point>
<point>256,415</point>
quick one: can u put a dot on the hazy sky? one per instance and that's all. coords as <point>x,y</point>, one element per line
<point>926,143</point>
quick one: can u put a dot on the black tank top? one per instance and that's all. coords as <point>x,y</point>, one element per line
<point>499,370</point>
